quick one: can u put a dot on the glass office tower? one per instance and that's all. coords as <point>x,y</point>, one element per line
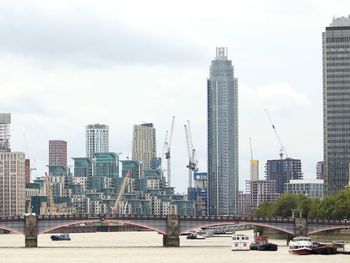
<point>222,136</point>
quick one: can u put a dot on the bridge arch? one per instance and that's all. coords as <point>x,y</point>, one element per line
<point>11,229</point>
<point>212,224</point>
<point>328,228</point>
<point>129,222</point>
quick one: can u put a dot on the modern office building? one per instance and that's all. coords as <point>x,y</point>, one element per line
<point>312,188</point>
<point>222,92</point>
<point>106,165</point>
<point>57,152</point>
<point>12,184</point>
<point>83,167</point>
<point>283,170</point>
<point>144,144</point>
<point>336,104</point>
<point>5,121</point>
<point>97,139</point>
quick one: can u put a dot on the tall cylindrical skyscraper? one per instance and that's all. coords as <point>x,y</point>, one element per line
<point>222,136</point>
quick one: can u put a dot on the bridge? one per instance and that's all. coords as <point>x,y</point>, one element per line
<point>170,226</point>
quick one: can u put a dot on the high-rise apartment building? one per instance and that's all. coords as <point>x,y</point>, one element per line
<point>97,139</point>
<point>336,104</point>
<point>5,121</point>
<point>12,184</point>
<point>282,171</point>
<point>222,90</point>
<point>57,152</point>
<point>144,144</point>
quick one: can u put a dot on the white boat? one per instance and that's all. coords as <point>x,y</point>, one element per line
<point>300,246</point>
<point>197,234</point>
<point>240,242</point>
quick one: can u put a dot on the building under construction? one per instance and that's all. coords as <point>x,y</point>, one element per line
<point>282,171</point>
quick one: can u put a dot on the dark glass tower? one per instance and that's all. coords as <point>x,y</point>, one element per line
<point>222,136</point>
<point>336,104</point>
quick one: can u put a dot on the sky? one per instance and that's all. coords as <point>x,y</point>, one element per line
<point>66,64</point>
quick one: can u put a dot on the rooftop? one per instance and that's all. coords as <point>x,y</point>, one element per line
<point>340,21</point>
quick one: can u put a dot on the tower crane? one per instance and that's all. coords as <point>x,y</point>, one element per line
<point>283,150</point>
<point>191,151</point>
<point>121,192</point>
<point>167,153</point>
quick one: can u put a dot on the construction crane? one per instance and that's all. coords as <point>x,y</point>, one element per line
<point>191,152</point>
<point>167,153</point>
<point>283,150</point>
<point>250,146</point>
<point>121,192</point>
<point>165,146</point>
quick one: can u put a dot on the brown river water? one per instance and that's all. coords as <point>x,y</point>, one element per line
<point>143,247</point>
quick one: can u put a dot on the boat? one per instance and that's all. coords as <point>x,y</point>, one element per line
<point>300,246</point>
<point>62,237</point>
<point>342,247</point>
<point>262,243</point>
<point>240,242</point>
<point>324,248</point>
<point>197,234</point>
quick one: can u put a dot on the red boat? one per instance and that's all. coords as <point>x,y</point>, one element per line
<point>300,246</point>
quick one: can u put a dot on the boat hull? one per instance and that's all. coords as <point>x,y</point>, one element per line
<point>301,251</point>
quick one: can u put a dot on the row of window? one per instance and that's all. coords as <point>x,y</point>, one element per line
<point>337,58</point>
<point>338,70</point>
<point>338,64</point>
<point>338,99</point>
<point>338,82</point>
<point>337,39</point>
<point>336,76</point>
<point>338,88</point>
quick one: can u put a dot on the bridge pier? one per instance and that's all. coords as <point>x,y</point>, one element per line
<point>31,231</point>
<point>300,228</point>
<point>172,237</point>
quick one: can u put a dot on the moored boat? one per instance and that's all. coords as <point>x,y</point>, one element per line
<point>198,234</point>
<point>62,237</point>
<point>240,242</point>
<point>300,246</point>
<point>324,248</point>
<point>262,243</point>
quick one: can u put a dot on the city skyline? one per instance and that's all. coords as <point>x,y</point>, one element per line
<point>45,74</point>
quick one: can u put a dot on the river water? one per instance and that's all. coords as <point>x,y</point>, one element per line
<point>143,247</point>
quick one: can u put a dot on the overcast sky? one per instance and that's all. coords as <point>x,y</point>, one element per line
<point>66,64</point>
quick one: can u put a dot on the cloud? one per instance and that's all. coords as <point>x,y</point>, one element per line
<point>85,38</point>
<point>274,96</point>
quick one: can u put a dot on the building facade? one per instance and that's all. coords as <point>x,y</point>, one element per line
<point>222,92</point>
<point>5,121</point>
<point>320,170</point>
<point>57,152</point>
<point>283,170</point>
<point>144,144</point>
<point>312,188</point>
<point>97,139</point>
<point>336,104</point>
<point>12,184</point>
